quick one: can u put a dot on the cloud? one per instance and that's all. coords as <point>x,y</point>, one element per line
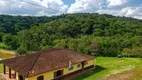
<point>114,7</point>
<point>135,12</point>
<point>54,4</point>
<point>138,17</point>
<point>16,7</point>
<point>94,5</point>
<point>109,11</point>
<point>32,7</point>
<point>131,11</point>
<point>116,3</point>
<point>86,6</point>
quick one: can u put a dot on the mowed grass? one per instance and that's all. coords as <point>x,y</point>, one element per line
<point>134,74</point>
<point>1,68</point>
<point>106,66</point>
<point>6,54</point>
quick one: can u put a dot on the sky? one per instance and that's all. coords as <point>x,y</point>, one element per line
<point>128,8</point>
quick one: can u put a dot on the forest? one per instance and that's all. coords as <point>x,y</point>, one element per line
<point>88,33</point>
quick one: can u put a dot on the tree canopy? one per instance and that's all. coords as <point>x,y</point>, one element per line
<point>94,34</point>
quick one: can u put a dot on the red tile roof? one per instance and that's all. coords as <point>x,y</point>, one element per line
<point>44,61</point>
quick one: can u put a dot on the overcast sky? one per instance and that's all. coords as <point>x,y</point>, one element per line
<point>128,8</point>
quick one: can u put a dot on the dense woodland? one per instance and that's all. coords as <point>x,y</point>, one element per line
<point>94,34</point>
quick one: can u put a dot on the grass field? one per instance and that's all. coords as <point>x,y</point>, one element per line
<point>6,54</point>
<point>134,74</point>
<point>1,68</point>
<point>106,66</point>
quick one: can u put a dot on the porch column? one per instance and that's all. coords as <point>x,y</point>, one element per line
<point>9,73</point>
<point>82,63</point>
<point>15,74</point>
<point>18,77</point>
<point>4,69</point>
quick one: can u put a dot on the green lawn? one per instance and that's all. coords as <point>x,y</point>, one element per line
<point>106,66</point>
<point>5,54</point>
<point>134,74</point>
<point>1,68</point>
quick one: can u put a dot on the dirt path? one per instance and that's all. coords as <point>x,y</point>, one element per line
<point>7,52</point>
<point>2,77</point>
<point>134,74</point>
<point>6,76</point>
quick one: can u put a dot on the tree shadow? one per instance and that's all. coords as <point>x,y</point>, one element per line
<point>89,73</point>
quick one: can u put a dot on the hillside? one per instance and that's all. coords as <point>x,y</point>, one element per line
<point>94,34</point>
<point>112,68</point>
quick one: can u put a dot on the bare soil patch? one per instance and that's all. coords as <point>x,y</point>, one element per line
<point>134,74</point>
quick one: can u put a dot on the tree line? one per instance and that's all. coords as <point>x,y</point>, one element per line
<point>94,34</point>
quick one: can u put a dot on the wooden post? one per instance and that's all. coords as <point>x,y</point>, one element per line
<point>55,74</point>
<point>82,63</point>
<point>18,77</point>
<point>4,69</point>
<point>9,73</point>
<point>15,75</point>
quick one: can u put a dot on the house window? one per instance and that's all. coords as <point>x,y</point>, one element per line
<point>21,77</point>
<point>40,78</point>
<point>58,73</point>
<point>78,65</point>
<point>70,67</point>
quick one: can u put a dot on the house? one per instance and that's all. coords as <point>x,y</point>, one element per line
<point>54,63</point>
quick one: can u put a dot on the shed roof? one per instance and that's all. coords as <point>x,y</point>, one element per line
<point>43,61</point>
